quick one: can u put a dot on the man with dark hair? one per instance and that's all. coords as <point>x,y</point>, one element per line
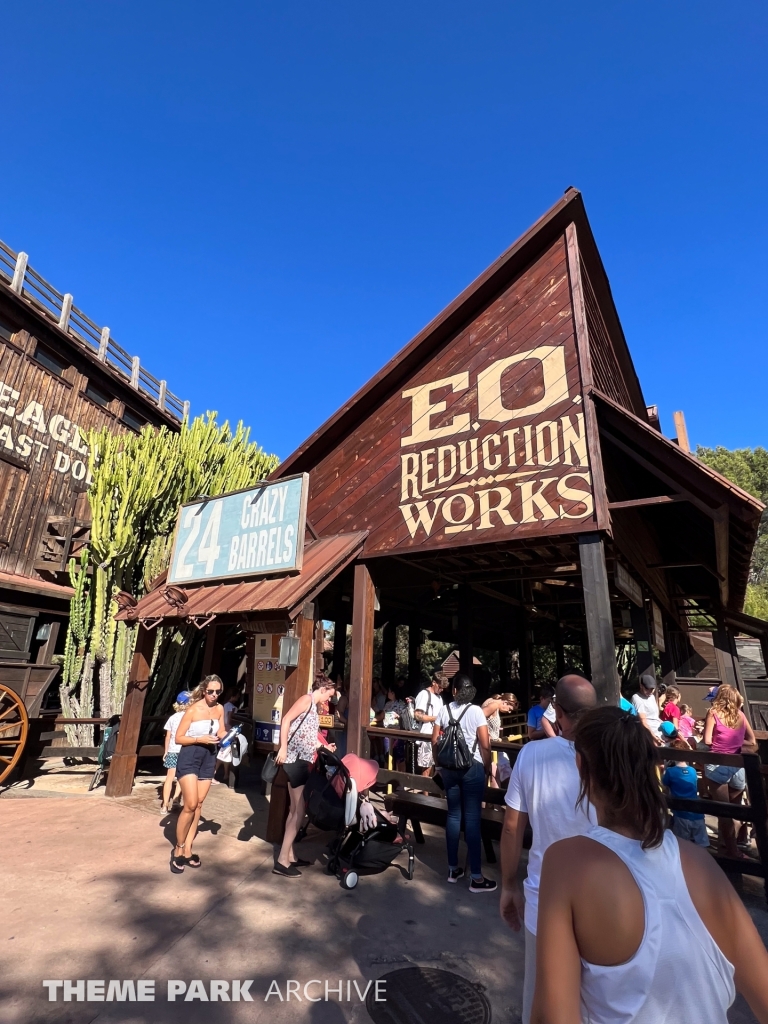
<point>544,790</point>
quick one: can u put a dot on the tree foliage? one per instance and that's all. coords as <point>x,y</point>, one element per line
<point>748,469</point>
<point>138,483</point>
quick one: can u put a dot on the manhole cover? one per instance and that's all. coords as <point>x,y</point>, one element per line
<point>421,995</point>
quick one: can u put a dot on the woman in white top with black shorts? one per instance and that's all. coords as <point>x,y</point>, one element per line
<point>464,789</point>
<point>198,735</point>
<point>634,924</point>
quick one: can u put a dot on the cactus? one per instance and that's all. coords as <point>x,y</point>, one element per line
<point>138,482</point>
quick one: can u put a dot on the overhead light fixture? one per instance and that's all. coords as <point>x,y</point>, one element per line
<point>289,650</point>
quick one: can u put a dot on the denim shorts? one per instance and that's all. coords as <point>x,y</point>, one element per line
<point>692,829</point>
<point>724,774</point>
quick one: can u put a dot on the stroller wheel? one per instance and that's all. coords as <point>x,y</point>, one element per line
<point>349,880</point>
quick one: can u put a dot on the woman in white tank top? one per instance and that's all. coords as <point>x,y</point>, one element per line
<point>635,925</point>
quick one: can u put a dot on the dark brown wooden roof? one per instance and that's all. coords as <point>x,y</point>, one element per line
<point>569,209</point>
<point>709,502</point>
<point>275,597</point>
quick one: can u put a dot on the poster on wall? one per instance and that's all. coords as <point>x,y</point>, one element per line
<point>268,688</point>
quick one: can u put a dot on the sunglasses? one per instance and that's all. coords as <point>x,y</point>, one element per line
<point>212,692</point>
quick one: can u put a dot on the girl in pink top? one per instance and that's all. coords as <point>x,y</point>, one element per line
<point>727,731</point>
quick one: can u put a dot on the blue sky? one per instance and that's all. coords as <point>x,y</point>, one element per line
<point>265,201</point>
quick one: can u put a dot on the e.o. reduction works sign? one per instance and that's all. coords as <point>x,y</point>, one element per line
<point>257,532</point>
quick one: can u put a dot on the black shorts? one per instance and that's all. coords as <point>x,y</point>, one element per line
<point>297,772</point>
<point>196,759</point>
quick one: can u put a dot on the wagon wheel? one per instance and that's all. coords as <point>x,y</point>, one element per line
<point>14,727</point>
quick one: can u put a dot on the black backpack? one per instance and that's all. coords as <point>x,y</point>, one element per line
<point>109,743</point>
<point>452,750</point>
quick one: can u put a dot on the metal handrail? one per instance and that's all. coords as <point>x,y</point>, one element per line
<point>25,281</point>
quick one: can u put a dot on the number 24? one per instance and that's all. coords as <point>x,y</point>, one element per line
<point>209,549</point>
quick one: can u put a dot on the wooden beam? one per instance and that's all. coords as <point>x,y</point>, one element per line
<point>585,367</point>
<point>319,646</point>
<point>682,430</point>
<point>388,653</point>
<point>339,647</point>
<point>722,541</point>
<point>466,647</point>
<point>414,663</point>
<point>208,650</point>
<point>297,683</point>
<point>597,605</point>
<point>643,646</point>
<point>685,565</point>
<point>361,670</point>
<point>658,499</point>
<point>123,766</point>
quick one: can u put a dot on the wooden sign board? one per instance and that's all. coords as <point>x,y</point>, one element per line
<point>255,532</point>
<point>627,584</point>
<point>484,443</point>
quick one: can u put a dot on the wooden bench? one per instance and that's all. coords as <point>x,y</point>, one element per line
<point>430,809</point>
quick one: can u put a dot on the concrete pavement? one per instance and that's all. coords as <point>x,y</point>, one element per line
<point>86,893</point>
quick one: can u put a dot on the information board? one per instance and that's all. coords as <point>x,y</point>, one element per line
<point>255,532</point>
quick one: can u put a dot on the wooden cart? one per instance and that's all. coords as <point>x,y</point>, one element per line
<point>22,690</point>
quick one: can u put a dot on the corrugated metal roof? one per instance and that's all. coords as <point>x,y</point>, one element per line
<point>30,585</point>
<point>282,596</point>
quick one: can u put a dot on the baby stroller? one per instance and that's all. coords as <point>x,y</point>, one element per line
<point>365,846</point>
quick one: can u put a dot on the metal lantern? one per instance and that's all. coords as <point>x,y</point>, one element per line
<point>289,650</point>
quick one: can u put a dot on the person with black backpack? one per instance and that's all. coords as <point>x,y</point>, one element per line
<point>462,752</point>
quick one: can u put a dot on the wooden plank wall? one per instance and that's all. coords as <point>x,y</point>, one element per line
<point>606,373</point>
<point>359,485</point>
<point>43,461</point>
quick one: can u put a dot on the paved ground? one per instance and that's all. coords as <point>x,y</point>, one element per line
<point>86,894</point>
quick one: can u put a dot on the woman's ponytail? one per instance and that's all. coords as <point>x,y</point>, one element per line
<point>618,759</point>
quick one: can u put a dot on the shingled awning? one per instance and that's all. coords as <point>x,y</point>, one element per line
<point>271,601</point>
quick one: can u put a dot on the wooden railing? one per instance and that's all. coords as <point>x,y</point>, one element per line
<point>15,270</point>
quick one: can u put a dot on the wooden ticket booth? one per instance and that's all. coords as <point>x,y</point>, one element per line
<point>502,484</point>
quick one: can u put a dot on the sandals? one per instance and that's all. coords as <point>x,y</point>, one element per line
<point>178,864</point>
<point>194,861</point>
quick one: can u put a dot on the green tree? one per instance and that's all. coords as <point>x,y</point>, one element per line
<point>748,469</point>
<point>138,483</point>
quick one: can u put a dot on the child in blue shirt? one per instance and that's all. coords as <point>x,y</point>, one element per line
<point>681,781</point>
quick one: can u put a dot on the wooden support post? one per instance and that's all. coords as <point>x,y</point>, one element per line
<point>525,654</point>
<point>319,646</point>
<point>123,766</point>
<point>414,664</point>
<point>597,606</point>
<point>505,681</point>
<point>297,683</point>
<point>104,344</point>
<point>339,648</point>
<point>559,649</point>
<point>388,654</point>
<point>66,312</point>
<point>250,668</point>
<point>466,650</point>
<point>643,646</point>
<point>19,272</point>
<point>361,671</point>
<point>668,674</point>
<point>135,371</point>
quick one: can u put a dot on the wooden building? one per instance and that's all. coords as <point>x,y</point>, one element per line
<point>60,374</point>
<point>506,487</point>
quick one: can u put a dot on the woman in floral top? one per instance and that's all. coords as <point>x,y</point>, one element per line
<point>298,748</point>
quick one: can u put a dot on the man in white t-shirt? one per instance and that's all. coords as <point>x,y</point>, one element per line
<point>647,707</point>
<point>428,704</point>
<point>543,789</point>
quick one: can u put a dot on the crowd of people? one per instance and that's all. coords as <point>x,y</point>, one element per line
<point>616,891</point>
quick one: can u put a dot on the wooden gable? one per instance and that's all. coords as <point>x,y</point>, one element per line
<point>481,430</point>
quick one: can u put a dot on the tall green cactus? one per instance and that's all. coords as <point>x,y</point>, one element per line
<point>138,483</point>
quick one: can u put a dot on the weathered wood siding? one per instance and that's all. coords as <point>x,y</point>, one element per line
<point>486,441</point>
<point>43,460</point>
